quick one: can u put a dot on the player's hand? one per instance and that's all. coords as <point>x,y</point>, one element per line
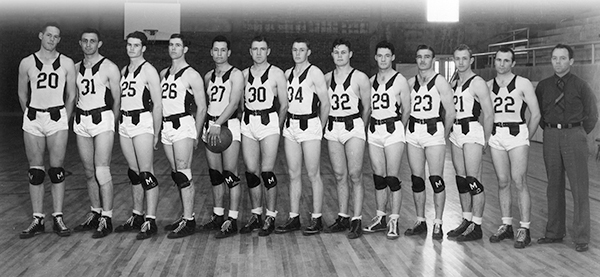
<point>155,142</point>
<point>196,143</point>
<point>214,135</point>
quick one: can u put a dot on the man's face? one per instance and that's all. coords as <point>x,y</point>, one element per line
<point>424,59</point>
<point>89,43</point>
<point>384,58</point>
<point>503,62</point>
<point>219,52</point>
<point>259,50</point>
<point>300,52</point>
<point>341,55</point>
<point>50,38</point>
<point>176,48</point>
<point>561,61</point>
<point>462,60</point>
<point>135,48</point>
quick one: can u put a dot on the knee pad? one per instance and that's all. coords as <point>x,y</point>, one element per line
<point>462,184</point>
<point>36,176</point>
<point>148,180</point>
<point>418,184</point>
<point>379,182</point>
<point>474,184</point>
<point>103,175</point>
<point>393,183</point>
<point>183,178</point>
<point>133,177</point>
<point>56,174</point>
<point>230,179</point>
<point>437,183</point>
<point>269,179</point>
<point>252,180</point>
<point>216,178</point>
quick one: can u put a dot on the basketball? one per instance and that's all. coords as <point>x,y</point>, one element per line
<point>225,141</point>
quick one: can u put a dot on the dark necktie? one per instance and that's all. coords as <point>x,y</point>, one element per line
<point>560,100</point>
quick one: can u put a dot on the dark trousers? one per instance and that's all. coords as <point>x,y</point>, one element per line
<point>567,150</point>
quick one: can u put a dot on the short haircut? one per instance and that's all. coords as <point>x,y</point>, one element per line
<point>425,47</point>
<point>221,38</point>
<point>341,41</point>
<point>505,49</point>
<point>91,31</point>
<point>259,38</point>
<point>139,35</point>
<point>564,46</point>
<point>302,40</point>
<point>463,47</point>
<point>387,45</point>
<point>186,42</point>
<point>49,24</point>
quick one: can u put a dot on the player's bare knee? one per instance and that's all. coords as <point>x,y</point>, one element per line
<point>148,180</point>
<point>418,184</point>
<point>393,183</point>
<point>269,179</point>
<point>216,178</point>
<point>475,186</point>
<point>380,182</point>
<point>36,176</point>
<point>230,179</point>
<point>252,180</point>
<point>182,178</point>
<point>437,183</point>
<point>56,174</point>
<point>103,175</point>
<point>462,184</point>
<point>356,178</point>
<point>133,177</point>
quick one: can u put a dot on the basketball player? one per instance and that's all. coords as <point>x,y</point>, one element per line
<point>98,102</point>
<point>390,95</point>
<point>261,128</point>
<point>349,91</point>
<point>50,76</point>
<point>140,122</point>
<point>224,90</point>
<point>509,142</point>
<point>469,139</point>
<point>426,136</point>
<point>303,132</point>
<point>182,88</point>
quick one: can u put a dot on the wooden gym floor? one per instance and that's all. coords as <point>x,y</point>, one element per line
<point>277,255</point>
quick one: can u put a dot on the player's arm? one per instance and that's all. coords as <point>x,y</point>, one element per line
<point>364,92</point>
<point>237,86</point>
<point>532,103</point>
<point>446,97</point>
<point>153,83</point>
<point>22,82</point>
<point>404,91</point>
<point>482,92</point>
<point>114,77</point>
<point>242,98</point>
<point>70,86</point>
<point>411,83</point>
<point>196,85</point>
<point>281,89</point>
<point>321,89</point>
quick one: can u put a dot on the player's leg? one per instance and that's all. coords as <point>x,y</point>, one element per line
<point>472,156</point>
<point>182,153</point>
<point>293,155</point>
<point>85,145</point>
<point>355,150</point>
<point>144,148</point>
<point>35,146</point>
<point>103,144</point>
<point>134,222</point>
<point>217,181</point>
<point>416,161</point>
<point>378,164</point>
<point>458,160</point>
<point>268,153</point>
<point>393,157</point>
<point>518,171</point>
<point>503,167</point>
<point>337,157</point>
<point>435,156</point>
<point>311,151</point>
<point>57,148</point>
<point>232,180</point>
<point>251,155</point>
<point>169,152</point>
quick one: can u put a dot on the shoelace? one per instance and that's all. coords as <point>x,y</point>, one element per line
<point>101,224</point>
<point>88,219</point>
<point>521,234</point>
<point>145,226</point>
<point>469,229</point>
<point>253,219</point>
<point>392,224</point>
<point>268,222</point>
<point>226,225</point>
<point>33,224</point>
<point>182,225</point>
<point>375,221</point>
<point>501,230</point>
<point>129,221</point>
<point>60,223</point>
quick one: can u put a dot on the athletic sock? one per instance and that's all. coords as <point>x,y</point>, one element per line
<point>293,215</point>
<point>381,213</point>
<point>507,220</point>
<point>477,220</point>
<point>107,213</point>
<point>219,211</point>
<point>233,214</point>
<point>468,216</point>
<point>524,224</point>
